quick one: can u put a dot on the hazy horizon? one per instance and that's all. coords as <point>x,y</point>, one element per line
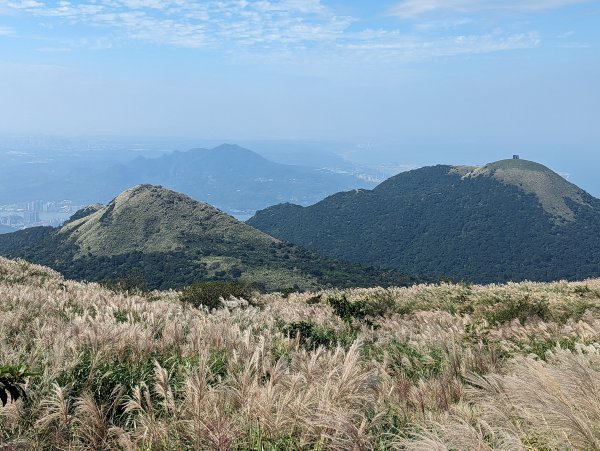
<point>385,159</point>
<point>405,82</point>
<point>523,72</point>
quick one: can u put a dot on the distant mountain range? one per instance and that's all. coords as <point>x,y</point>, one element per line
<point>232,178</point>
<point>509,220</point>
<point>171,240</point>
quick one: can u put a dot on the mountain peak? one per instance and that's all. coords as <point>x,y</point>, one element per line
<point>517,164</point>
<point>151,218</point>
<point>228,146</point>
<point>234,149</point>
<point>145,190</point>
<point>552,190</point>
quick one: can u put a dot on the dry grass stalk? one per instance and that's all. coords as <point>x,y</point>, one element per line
<point>439,367</point>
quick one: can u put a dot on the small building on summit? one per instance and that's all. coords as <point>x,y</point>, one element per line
<point>516,157</point>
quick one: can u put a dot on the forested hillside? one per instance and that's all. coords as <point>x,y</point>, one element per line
<point>511,220</point>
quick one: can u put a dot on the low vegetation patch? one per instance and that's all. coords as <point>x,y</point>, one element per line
<point>311,336</point>
<point>132,282</point>
<point>212,294</point>
<point>376,305</point>
<point>522,308</point>
<point>428,367</point>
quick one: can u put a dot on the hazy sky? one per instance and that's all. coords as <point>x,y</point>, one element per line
<point>466,76</point>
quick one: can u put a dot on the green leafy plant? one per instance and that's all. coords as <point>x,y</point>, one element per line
<point>209,294</point>
<point>522,308</point>
<point>12,379</point>
<point>363,309</point>
<point>312,336</point>
<point>313,300</point>
<point>132,282</point>
<point>348,310</point>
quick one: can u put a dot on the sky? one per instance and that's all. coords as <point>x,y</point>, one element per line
<point>416,81</point>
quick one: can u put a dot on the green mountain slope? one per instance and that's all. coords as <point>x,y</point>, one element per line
<point>171,240</point>
<point>510,220</point>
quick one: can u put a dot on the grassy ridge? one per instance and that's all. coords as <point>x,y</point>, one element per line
<point>428,367</point>
<point>554,193</point>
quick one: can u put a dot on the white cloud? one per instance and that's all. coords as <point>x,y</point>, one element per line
<point>575,45</point>
<point>7,67</point>
<point>276,29</point>
<point>411,9</point>
<point>398,47</point>
<point>23,4</point>
<point>187,23</point>
<point>375,51</point>
<point>566,34</point>
<point>5,31</point>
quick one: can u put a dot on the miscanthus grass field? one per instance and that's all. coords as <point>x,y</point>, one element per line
<point>440,367</point>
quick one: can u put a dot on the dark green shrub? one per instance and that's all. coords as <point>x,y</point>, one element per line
<point>218,364</point>
<point>258,286</point>
<point>111,376</point>
<point>382,304</point>
<point>582,290</point>
<point>540,347</point>
<point>293,289</point>
<point>377,306</point>
<point>312,336</point>
<point>348,310</point>
<point>132,282</point>
<point>209,294</point>
<point>313,300</point>
<point>102,377</point>
<point>405,359</point>
<point>120,316</point>
<point>523,308</point>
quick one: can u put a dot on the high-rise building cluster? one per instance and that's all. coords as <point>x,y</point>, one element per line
<point>36,213</point>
